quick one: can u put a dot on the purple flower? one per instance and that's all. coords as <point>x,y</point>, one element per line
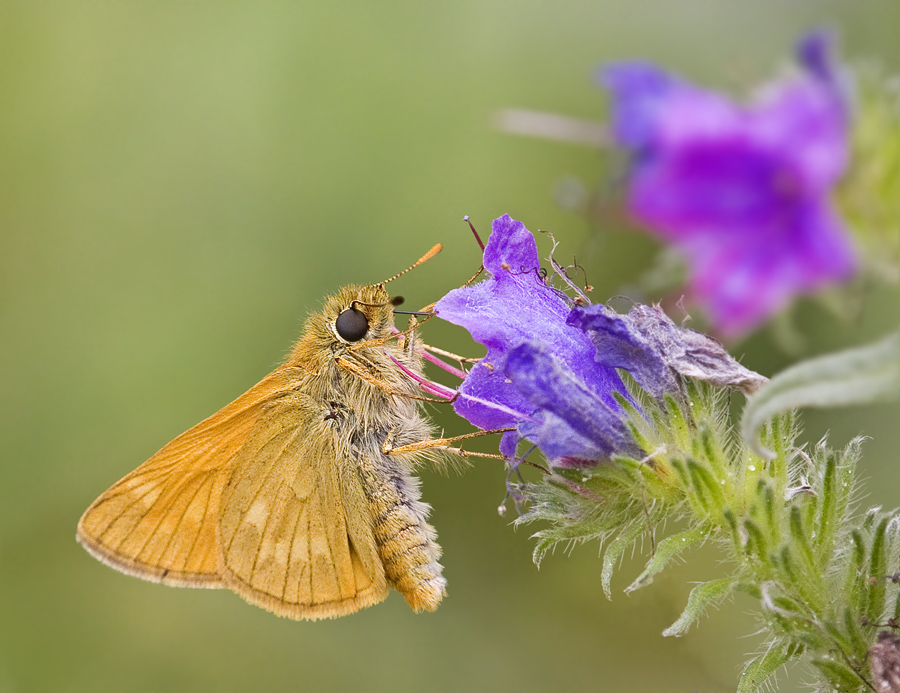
<point>550,369</point>
<point>742,190</point>
<point>539,374</point>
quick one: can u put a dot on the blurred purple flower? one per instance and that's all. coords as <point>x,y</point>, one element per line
<point>539,374</point>
<point>742,190</point>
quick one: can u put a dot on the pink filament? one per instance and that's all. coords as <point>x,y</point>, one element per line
<point>428,386</point>
<point>440,363</point>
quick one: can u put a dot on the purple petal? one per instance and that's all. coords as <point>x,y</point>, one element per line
<point>743,285</point>
<point>508,443</point>
<point>511,248</point>
<point>815,52</point>
<point>513,305</point>
<point>620,344</point>
<point>639,89</point>
<point>804,124</point>
<point>569,422</point>
<point>487,383</point>
<point>655,350</point>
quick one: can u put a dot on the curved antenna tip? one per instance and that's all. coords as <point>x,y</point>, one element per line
<point>435,249</point>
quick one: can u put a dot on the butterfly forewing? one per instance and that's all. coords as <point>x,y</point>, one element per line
<point>296,534</point>
<point>160,522</point>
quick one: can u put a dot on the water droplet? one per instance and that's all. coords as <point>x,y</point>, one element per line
<point>752,468</point>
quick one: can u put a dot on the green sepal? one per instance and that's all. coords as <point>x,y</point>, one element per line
<point>756,540</point>
<point>678,424</point>
<point>667,549</point>
<point>707,490</point>
<point>766,497</point>
<point>828,504</point>
<point>713,453</point>
<point>855,567</point>
<point>702,596</point>
<point>856,636</point>
<point>876,584</point>
<point>838,674</point>
<point>614,552</point>
<point>839,637</point>
<point>759,669</point>
<point>634,420</point>
<point>731,522</point>
<point>811,570</point>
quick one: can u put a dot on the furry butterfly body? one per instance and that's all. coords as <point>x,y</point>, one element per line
<point>296,495</point>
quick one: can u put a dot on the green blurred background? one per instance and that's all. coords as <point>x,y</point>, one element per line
<point>181,182</point>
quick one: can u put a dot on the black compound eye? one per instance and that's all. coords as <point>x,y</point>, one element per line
<point>351,325</point>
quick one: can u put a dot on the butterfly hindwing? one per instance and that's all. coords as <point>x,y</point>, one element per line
<point>295,530</point>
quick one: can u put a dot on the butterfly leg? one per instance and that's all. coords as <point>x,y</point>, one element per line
<point>449,354</point>
<point>356,370</point>
<point>445,444</point>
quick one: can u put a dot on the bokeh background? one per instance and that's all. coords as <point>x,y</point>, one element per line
<point>181,182</point>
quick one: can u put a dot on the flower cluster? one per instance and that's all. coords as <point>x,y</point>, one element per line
<point>743,191</point>
<point>550,368</point>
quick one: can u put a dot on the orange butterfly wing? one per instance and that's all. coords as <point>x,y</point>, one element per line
<point>160,522</point>
<point>296,531</point>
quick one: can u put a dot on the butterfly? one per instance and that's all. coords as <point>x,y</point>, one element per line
<point>299,495</point>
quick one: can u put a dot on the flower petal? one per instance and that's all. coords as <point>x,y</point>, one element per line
<point>654,350</point>
<point>570,424</point>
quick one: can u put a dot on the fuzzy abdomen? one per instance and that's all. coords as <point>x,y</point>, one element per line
<point>405,540</point>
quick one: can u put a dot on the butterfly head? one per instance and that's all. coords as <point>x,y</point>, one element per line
<point>360,313</point>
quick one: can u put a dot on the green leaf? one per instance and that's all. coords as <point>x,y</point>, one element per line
<point>668,548</point>
<point>759,669</point>
<point>855,376</point>
<point>702,596</point>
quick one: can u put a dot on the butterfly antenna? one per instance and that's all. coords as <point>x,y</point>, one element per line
<point>427,256</point>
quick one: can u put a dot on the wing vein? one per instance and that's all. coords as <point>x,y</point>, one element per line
<point>117,517</point>
<point>145,477</point>
<point>287,569</point>
<point>180,489</point>
<point>199,527</point>
<point>312,597</point>
<point>183,513</point>
<point>263,481</point>
<point>262,536</point>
